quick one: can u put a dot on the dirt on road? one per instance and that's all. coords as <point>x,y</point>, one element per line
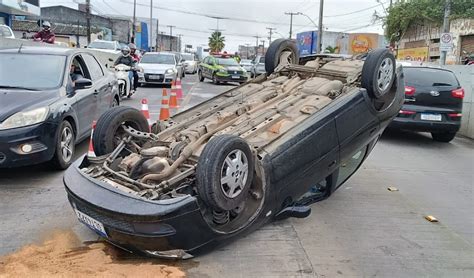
<point>63,255</point>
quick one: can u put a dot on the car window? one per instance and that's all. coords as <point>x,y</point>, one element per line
<point>38,71</point>
<point>350,165</point>
<point>5,32</point>
<point>102,45</point>
<point>211,61</point>
<point>94,68</point>
<point>262,60</point>
<point>158,59</point>
<point>227,61</point>
<point>188,57</point>
<point>206,60</point>
<point>429,77</point>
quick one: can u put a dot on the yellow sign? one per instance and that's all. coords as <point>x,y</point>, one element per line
<point>362,42</point>
<point>419,54</point>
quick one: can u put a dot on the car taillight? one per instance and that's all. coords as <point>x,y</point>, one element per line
<point>458,93</point>
<point>406,112</point>
<point>409,90</point>
<point>455,115</point>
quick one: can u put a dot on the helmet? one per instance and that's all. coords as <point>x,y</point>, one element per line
<point>126,51</point>
<point>46,24</point>
<point>132,46</point>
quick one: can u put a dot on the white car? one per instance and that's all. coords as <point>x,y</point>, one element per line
<point>190,63</point>
<point>6,32</point>
<point>246,64</point>
<point>106,46</point>
<point>159,68</point>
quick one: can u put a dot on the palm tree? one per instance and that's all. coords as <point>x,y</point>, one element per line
<point>331,49</point>
<point>216,42</point>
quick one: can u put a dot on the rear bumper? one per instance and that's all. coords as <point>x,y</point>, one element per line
<point>40,136</point>
<point>424,126</point>
<point>174,225</point>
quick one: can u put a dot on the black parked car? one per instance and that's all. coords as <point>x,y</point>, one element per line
<point>259,152</point>
<point>433,103</point>
<point>49,97</point>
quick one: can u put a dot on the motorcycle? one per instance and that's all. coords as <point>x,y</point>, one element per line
<point>124,75</point>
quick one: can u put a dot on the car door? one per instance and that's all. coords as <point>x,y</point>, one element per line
<point>85,101</point>
<point>305,156</point>
<point>102,86</point>
<point>357,122</point>
<point>204,66</point>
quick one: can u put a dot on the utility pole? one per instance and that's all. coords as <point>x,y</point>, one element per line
<point>320,26</point>
<point>263,50</point>
<point>179,42</point>
<point>171,36</point>
<point>447,11</point>
<point>134,20</point>
<point>88,20</point>
<point>157,34</point>
<point>151,24</point>
<point>291,14</point>
<point>256,44</point>
<point>270,31</point>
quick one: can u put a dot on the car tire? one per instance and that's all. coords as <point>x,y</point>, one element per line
<point>276,49</point>
<point>219,162</point>
<point>445,137</point>
<point>378,72</point>
<point>65,146</point>
<point>214,79</point>
<point>108,128</point>
<point>201,78</point>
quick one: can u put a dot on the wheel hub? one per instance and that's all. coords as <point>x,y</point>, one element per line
<point>234,173</point>
<point>385,74</point>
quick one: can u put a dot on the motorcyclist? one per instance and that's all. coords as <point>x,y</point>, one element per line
<point>45,35</point>
<point>127,59</point>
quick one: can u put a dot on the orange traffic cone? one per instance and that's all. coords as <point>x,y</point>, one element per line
<point>173,100</point>
<point>179,90</point>
<point>165,108</point>
<point>90,152</point>
<point>146,112</point>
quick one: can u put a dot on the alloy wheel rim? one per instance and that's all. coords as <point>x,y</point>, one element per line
<point>385,74</point>
<point>67,144</point>
<point>234,173</point>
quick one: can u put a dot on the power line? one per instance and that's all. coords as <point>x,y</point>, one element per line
<point>354,12</point>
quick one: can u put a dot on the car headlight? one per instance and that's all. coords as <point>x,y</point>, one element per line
<point>223,70</point>
<point>25,118</point>
<point>170,71</point>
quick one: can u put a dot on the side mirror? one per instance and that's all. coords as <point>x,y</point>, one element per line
<point>82,83</point>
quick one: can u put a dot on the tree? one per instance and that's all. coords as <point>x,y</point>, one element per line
<point>216,42</point>
<point>404,14</point>
<point>331,49</point>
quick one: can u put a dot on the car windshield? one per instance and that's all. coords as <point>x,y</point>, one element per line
<point>246,62</point>
<point>187,57</point>
<point>262,60</point>
<point>102,45</point>
<point>429,77</point>
<point>5,32</point>
<point>227,62</point>
<point>37,71</point>
<point>158,59</point>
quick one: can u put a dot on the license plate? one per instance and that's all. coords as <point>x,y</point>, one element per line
<point>431,117</point>
<point>154,77</point>
<point>91,223</point>
<point>235,77</point>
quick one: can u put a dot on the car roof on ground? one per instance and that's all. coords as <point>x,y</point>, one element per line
<point>48,50</point>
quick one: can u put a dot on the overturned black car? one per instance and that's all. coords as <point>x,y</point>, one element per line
<point>259,152</point>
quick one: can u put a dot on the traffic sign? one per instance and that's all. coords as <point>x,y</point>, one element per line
<point>446,42</point>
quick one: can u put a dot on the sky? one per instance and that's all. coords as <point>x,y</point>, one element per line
<point>244,19</point>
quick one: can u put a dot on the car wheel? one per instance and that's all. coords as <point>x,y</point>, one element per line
<point>445,137</point>
<point>201,78</point>
<point>225,172</point>
<point>378,72</point>
<point>108,131</point>
<point>65,146</point>
<point>278,51</point>
<point>214,79</point>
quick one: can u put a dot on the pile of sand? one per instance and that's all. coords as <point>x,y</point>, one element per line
<point>64,256</point>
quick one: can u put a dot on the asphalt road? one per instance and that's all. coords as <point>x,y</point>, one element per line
<point>362,230</point>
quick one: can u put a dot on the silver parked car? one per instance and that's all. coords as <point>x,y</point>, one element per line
<point>159,68</point>
<point>246,64</point>
<point>258,66</point>
<point>190,63</point>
